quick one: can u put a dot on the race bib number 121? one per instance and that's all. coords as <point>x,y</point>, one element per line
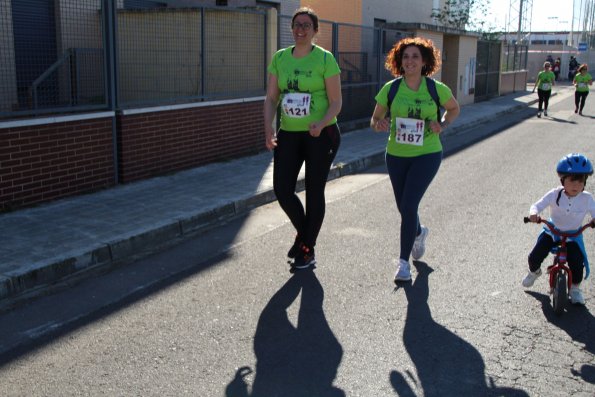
<point>296,104</point>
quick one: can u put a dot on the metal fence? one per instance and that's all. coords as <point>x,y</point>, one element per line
<point>80,55</point>
<point>514,57</point>
<point>55,58</point>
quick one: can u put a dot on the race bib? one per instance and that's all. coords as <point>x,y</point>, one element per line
<point>410,131</point>
<point>582,85</point>
<point>296,104</point>
<point>546,86</point>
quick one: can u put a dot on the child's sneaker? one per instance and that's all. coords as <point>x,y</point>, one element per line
<point>419,246</point>
<point>304,258</point>
<point>576,295</point>
<point>403,272</point>
<point>530,278</point>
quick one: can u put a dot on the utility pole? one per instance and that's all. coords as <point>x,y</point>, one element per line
<point>570,42</point>
<point>519,30</point>
<point>522,25</point>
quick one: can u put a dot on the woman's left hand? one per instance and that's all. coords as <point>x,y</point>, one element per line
<point>435,127</point>
<point>316,129</point>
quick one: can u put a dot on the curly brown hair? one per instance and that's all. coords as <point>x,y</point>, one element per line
<point>429,53</point>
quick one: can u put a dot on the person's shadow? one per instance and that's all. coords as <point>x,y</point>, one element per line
<point>299,360</point>
<point>446,364</point>
<point>578,322</point>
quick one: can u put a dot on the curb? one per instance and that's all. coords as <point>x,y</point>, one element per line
<point>42,278</point>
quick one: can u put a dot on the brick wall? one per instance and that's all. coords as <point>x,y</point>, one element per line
<point>154,142</point>
<point>47,159</point>
<point>42,162</point>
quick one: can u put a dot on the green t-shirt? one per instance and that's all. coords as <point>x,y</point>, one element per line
<point>582,82</point>
<point>413,105</point>
<point>547,78</point>
<point>303,75</point>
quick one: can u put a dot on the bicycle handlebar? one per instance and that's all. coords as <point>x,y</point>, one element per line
<point>560,233</point>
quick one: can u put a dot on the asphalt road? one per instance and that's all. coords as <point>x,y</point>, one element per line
<point>220,315</point>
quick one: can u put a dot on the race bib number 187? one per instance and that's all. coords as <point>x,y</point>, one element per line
<point>410,131</point>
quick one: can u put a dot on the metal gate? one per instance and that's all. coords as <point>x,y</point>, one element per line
<point>487,71</point>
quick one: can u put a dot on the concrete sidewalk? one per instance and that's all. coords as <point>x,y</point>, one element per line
<point>81,236</point>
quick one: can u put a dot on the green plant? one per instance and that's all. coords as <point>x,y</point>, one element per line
<point>468,15</point>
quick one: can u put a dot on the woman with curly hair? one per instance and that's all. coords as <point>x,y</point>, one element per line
<point>414,150</point>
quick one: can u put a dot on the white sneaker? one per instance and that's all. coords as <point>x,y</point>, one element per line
<point>403,271</point>
<point>419,246</point>
<point>530,278</point>
<point>576,296</point>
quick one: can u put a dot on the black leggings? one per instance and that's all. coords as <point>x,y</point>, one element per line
<point>293,149</point>
<point>544,98</point>
<point>574,256</point>
<point>580,98</point>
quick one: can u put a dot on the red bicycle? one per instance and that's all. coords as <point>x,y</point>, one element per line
<point>560,275</point>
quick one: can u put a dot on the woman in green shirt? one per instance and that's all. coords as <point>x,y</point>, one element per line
<point>305,82</point>
<point>414,150</point>
<point>582,80</point>
<point>545,80</point>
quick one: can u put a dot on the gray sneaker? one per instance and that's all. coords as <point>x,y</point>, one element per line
<point>576,295</point>
<point>419,246</point>
<point>530,278</point>
<point>403,271</point>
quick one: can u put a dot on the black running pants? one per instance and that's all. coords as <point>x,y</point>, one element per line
<point>574,256</point>
<point>292,151</point>
<point>579,99</point>
<point>544,98</point>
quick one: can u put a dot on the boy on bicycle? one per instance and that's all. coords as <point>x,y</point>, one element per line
<point>568,204</point>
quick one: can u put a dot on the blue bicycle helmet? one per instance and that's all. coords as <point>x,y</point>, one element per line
<point>574,163</point>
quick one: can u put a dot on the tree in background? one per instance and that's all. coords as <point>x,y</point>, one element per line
<point>467,15</point>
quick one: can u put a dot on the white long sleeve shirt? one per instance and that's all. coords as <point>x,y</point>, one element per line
<point>569,212</point>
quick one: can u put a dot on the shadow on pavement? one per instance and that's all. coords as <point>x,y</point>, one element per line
<point>446,364</point>
<point>299,360</point>
<point>578,322</point>
<point>559,120</point>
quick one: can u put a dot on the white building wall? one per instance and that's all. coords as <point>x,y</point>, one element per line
<point>419,11</point>
<point>466,69</point>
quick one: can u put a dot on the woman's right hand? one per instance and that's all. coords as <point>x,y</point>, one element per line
<point>270,138</point>
<point>381,125</point>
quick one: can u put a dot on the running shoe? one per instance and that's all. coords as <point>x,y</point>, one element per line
<point>419,246</point>
<point>545,112</point>
<point>539,114</point>
<point>576,295</point>
<point>530,278</point>
<point>304,258</point>
<point>403,272</point>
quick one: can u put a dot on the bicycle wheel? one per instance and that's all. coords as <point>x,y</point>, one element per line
<point>560,296</point>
